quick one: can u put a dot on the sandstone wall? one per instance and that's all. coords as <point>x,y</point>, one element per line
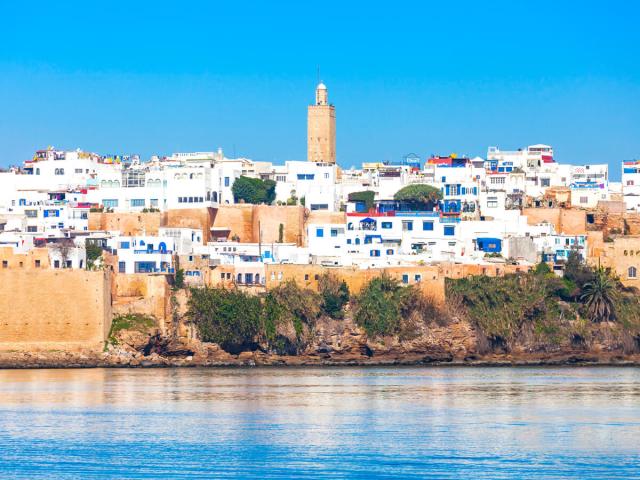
<point>143,294</point>
<point>198,218</point>
<point>35,258</point>
<point>431,281</point>
<point>54,309</point>
<point>126,223</point>
<point>246,221</point>
<point>565,221</point>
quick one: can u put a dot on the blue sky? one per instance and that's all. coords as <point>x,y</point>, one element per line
<point>422,77</point>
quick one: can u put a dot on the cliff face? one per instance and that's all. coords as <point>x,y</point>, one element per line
<point>340,342</point>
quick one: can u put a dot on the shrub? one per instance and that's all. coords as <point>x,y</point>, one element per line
<point>230,318</point>
<point>334,294</point>
<point>131,321</point>
<point>366,196</point>
<point>419,196</point>
<point>377,307</point>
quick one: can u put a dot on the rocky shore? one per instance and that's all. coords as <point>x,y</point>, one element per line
<point>336,344</point>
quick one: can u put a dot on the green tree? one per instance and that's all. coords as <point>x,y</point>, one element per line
<point>419,196</point>
<point>253,190</point>
<point>600,295</point>
<point>366,196</point>
<point>230,318</point>
<point>576,271</point>
<point>93,252</point>
<point>335,295</point>
<point>377,307</point>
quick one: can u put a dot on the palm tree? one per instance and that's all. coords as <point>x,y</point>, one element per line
<point>600,295</point>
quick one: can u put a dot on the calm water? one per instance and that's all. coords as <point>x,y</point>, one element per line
<point>321,423</point>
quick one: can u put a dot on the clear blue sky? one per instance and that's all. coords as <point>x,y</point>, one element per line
<point>424,77</point>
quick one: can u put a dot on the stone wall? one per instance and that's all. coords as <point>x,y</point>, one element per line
<point>143,294</point>
<point>126,223</point>
<point>54,309</point>
<point>565,221</point>
<point>246,221</point>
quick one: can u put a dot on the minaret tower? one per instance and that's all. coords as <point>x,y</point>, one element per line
<point>321,128</point>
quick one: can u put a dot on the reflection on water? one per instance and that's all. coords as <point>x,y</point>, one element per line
<point>320,423</point>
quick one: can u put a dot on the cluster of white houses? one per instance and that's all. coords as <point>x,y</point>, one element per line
<point>49,198</point>
<point>47,202</point>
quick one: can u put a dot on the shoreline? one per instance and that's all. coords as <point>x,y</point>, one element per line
<point>298,362</point>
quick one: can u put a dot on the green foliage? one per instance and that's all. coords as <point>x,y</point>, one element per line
<point>385,307</point>
<point>178,278</point>
<point>366,196</point>
<point>419,196</point>
<point>230,318</point>
<point>334,294</point>
<point>303,201</point>
<point>377,307</point>
<point>254,190</point>
<point>542,268</point>
<point>93,252</point>
<point>600,295</point>
<point>499,306</point>
<point>132,321</point>
<point>576,271</point>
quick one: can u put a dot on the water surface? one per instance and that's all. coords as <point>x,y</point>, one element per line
<point>321,423</point>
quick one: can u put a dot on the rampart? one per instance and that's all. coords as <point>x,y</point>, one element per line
<point>54,309</point>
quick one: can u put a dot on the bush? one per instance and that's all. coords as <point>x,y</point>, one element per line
<point>93,252</point>
<point>419,196</point>
<point>132,321</point>
<point>366,196</point>
<point>334,294</point>
<point>253,190</point>
<point>230,318</point>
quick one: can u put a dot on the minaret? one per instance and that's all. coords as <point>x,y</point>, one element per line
<point>321,128</point>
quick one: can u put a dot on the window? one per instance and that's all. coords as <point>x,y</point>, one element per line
<point>417,277</point>
<point>59,171</point>
<point>5,264</point>
<point>78,170</point>
<point>492,202</point>
<point>32,228</point>
<point>497,180</point>
<point>387,225</point>
<point>319,232</point>
<point>449,230</point>
<point>374,253</point>
<point>545,182</point>
<point>226,181</point>
<point>629,183</point>
<point>632,272</point>
<point>306,276</point>
<point>153,202</point>
<point>31,213</point>
<point>37,263</point>
<point>390,251</point>
<point>334,232</point>
<point>110,203</point>
<point>407,225</point>
<point>348,241</point>
<point>427,225</point>
<point>124,245</point>
<point>56,264</point>
<point>137,202</point>
<point>326,175</point>
<point>306,176</point>
<point>281,178</point>
<point>405,278</point>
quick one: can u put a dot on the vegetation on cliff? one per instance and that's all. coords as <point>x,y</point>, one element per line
<point>543,310</point>
<point>284,320</point>
<point>132,322</point>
